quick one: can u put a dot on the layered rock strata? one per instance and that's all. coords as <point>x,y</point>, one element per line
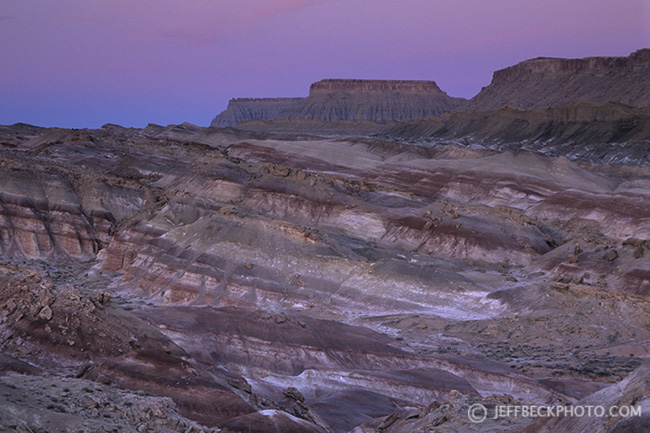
<point>297,283</point>
<point>333,100</point>
<point>532,84</point>
<point>582,131</point>
<point>547,82</point>
<point>240,109</point>
<point>374,100</point>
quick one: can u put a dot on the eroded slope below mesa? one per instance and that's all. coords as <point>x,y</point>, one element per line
<point>313,284</point>
<point>583,131</point>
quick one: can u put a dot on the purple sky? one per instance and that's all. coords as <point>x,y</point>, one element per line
<point>83,63</point>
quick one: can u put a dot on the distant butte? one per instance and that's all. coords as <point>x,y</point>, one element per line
<point>537,83</point>
<point>379,101</point>
<point>332,100</point>
<point>240,109</point>
<point>548,82</point>
<point>374,86</point>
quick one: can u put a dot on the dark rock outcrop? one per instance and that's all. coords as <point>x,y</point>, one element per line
<point>546,82</point>
<point>64,328</point>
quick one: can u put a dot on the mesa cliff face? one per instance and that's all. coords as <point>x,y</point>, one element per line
<point>532,84</point>
<point>379,101</point>
<point>547,82</point>
<point>374,86</point>
<point>330,100</point>
<point>240,109</point>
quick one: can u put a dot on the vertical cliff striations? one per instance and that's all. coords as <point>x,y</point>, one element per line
<point>240,109</point>
<point>333,100</point>
<point>547,82</point>
<point>379,101</point>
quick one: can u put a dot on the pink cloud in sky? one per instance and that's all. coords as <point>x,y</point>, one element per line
<point>197,19</point>
<point>87,62</point>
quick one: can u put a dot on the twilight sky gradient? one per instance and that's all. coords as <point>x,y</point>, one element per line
<point>84,63</point>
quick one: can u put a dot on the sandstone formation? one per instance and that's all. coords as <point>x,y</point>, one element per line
<point>251,281</point>
<point>592,110</point>
<point>333,100</point>
<point>240,109</point>
<point>547,82</point>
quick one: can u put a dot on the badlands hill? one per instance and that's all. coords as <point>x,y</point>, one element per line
<point>547,82</point>
<point>331,100</point>
<point>171,278</point>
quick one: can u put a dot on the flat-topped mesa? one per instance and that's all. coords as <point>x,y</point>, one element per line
<point>333,100</point>
<point>374,86</point>
<point>548,82</point>
<point>556,66</point>
<point>381,101</point>
<point>240,109</point>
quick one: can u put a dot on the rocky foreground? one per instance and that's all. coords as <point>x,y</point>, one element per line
<point>186,279</point>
